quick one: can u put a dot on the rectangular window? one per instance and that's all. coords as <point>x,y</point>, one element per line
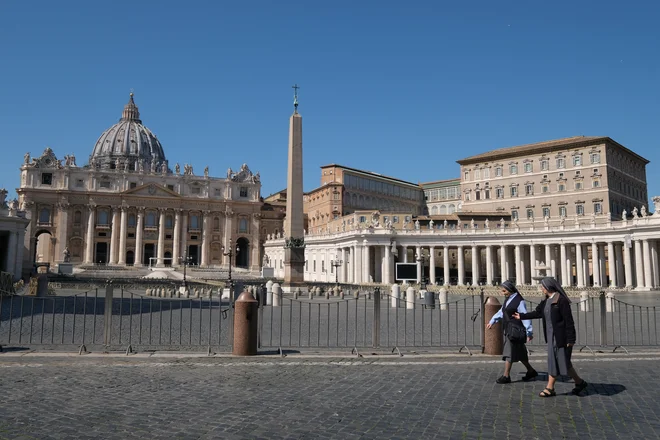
<point>322,265</point>
<point>528,167</point>
<point>545,188</point>
<point>530,214</point>
<point>579,209</point>
<point>561,187</point>
<point>196,190</point>
<point>132,185</point>
<point>363,219</point>
<point>562,211</point>
<point>467,197</point>
<point>546,212</point>
<point>577,161</point>
<point>498,172</point>
<point>513,169</point>
<point>514,191</point>
<point>80,183</point>
<point>104,184</point>
<point>487,194</point>
<point>477,174</point>
<point>595,157</point>
<point>544,165</point>
<point>499,193</point>
<point>561,163</point>
<point>46,179</point>
<point>514,214</point>
<point>598,208</point>
<point>486,173</point>
<point>244,191</point>
<point>578,185</point>
<point>170,187</point>
<point>395,219</point>
<point>561,175</point>
<point>314,266</point>
<point>218,192</point>
<point>529,189</point>
<point>595,183</point>
<point>466,176</point>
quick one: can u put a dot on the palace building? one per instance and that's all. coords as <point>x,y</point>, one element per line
<point>129,207</point>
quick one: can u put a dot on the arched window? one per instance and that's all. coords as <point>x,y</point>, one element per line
<point>103,218</point>
<point>451,209</point>
<point>194,222</point>
<point>216,224</point>
<point>131,220</point>
<point>77,217</point>
<point>151,220</point>
<point>168,222</point>
<point>434,210</point>
<point>44,216</point>
<point>243,225</point>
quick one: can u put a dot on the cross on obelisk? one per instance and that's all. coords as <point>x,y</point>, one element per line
<point>294,254</point>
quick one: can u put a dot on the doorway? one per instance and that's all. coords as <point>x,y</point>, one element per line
<point>243,253</point>
<point>193,251</point>
<point>149,253</point>
<point>101,255</point>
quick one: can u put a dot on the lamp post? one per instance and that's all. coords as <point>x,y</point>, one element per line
<point>185,260</point>
<point>230,253</point>
<point>421,259</point>
<point>336,263</point>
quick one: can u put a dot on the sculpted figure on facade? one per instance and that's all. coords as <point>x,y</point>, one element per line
<point>486,224</point>
<point>562,220</point>
<point>26,158</point>
<point>431,223</point>
<point>153,165</point>
<point>472,224</point>
<point>66,255</point>
<point>444,224</point>
<point>643,211</point>
<point>546,220</point>
<point>177,169</point>
<point>206,171</point>
<point>3,196</point>
<point>624,215</point>
<point>141,166</point>
<point>634,212</point>
<point>375,219</point>
<point>656,205</point>
<point>229,173</point>
<point>417,224</point>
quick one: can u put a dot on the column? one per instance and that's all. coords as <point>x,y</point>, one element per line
<point>228,231</point>
<point>602,268</point>
<point>628,282</point>
<point>475,265</point>
<point>579,265</point>
<point>618,258</point>
<point>564,265</point>
<point>184,235</point>
<point>432,265</point>
<point>445,265</point>
<point>62,230</point>
<point>639,267</point>
<point>160,262</point>
<point>122,237</point>
<point>139,234</point>
<point>113,236</point>
<point>533,263</point>
<point>461,265</point>
<point>504,264</point>
<point>176,246</point>
<point>418,259</point>
<point>205,239</point>
<point>342,276</point>
<point>387,272</point>
<point>405,253</point>
<point>648,271</point>
<point>366,270</point>
<point>20,248</point>
<point>358,262</point>
<point>489,265</point>
<point>611,263</point>
<point>595,264</point>
<point>654,263</point>
<point>11,262</point>
<point>89,240</point>
<point>518,263</point>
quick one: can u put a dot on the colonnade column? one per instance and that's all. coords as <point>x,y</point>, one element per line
<point>139,247</point>
<point>475,265</point>
<point>342,274</point>
<point>648,271</point>
<point>564,264</point>
<point>420,263</point>
<point>205,239</point>
<point>160,262</point>
<point>432,265</point>
<point>445,263</point>
<point>618,257</point>
<point>518,263</point>
<point>533,262</point>
<point>122,237</point>
<point>489,265</point>
<point>595,264</point>
<point>366,270</point>
<point>611,263</point>
<point>387,277</point>
<point>548,259</point>
<point>504,269</point>
<point>639,267</point>
<point>602,268</point>
<point>113,236</point>
<point>176,246</point>
<point>89,240</point>
<point>654,263</point>
<point>579,265</point>
<point>461,265</point>
<point>228,233</point>
<point>62,230</point>
<point>628,282</point>
<point>184,235</point>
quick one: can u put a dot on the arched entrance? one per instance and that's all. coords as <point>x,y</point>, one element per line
<point>243,253</point>
<point>44,247</point>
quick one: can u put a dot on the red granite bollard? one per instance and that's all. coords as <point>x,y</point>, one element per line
<point>494,342</point>
<point>245,325</point>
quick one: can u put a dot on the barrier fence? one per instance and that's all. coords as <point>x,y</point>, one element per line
<point>120,319</point>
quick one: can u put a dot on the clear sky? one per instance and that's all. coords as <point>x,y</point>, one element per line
<point>400,88</point>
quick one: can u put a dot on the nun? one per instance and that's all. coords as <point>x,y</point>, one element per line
<point>559,332</point>
<point>514,338</point>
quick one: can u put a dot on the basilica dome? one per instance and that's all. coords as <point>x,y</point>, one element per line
<point>128,144</point>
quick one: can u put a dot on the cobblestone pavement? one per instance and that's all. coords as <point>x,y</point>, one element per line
<point>319,397</point>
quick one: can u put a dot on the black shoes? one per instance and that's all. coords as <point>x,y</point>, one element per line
<point>503,379</point>
<point>530,375</point>
<point>580,387</point>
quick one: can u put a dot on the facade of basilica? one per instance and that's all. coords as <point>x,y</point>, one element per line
<point>128,207</point>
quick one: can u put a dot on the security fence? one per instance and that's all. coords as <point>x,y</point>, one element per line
<point>355,320</point>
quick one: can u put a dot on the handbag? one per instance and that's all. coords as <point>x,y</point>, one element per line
<point>516,332</point>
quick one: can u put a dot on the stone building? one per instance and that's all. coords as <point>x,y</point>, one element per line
<point>12,236</point>
<point>578,176</point>
<point>442,197</point>
<point>128,207</point>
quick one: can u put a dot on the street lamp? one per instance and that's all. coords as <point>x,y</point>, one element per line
<point>230,253</point>
<point>421,259</point>
<point>185,260</point>
<point>336,263</point>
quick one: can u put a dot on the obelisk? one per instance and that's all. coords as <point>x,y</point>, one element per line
<point>294,253</point>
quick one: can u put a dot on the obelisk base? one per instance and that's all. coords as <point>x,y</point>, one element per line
<point>294,270</point>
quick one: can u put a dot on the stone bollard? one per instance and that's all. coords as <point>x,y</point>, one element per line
<point>396,295</point>
<point>187,295</point>
<point>493,340</point>
<point>368,294</point>
<point>319,291</point>
<point>296,293</point>
<point>609,302</point>
<point>42,285</point>
<point>356,294</point>
<point>442,299</point>
<point>410,298</point>
<point>277,295</point>
<point>147,292</point>
<point>245,325</point>
<point>584,302</point>
<point>310,294</point>
<point>269,293</point>
<point>327,293</point>
<point>341,294</point>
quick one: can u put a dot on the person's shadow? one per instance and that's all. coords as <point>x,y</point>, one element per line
<point>593,388</point>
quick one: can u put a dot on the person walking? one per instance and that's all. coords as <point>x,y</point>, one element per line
<point>559,331</point>
<point>515,333</point>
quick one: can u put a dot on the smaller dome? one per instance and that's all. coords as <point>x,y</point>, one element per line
<point>128,141</point>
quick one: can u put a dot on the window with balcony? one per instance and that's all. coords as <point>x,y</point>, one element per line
<point>562,211</point>
<point>514,191</point>
<point>513,169</point>
<point>545,165</point>
<point>579,209</point>
<point>498,171</point>
<point>499,193</point>
<point>561,162</point>
<point>595,157</point>
<point>528,167</point>
<point>598,208</point>
<point>530,214</point>
<point>546,212</point>
<point>577,161</point>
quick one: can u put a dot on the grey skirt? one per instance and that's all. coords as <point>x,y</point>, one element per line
<point>514,352</point>
<point>559,360</point>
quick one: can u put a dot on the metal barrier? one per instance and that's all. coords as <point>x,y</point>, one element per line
<point>122,323</point>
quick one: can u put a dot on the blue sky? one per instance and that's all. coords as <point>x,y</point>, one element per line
<point>400,88</point>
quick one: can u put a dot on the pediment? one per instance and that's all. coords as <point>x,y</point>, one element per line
<point>152,190</point>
